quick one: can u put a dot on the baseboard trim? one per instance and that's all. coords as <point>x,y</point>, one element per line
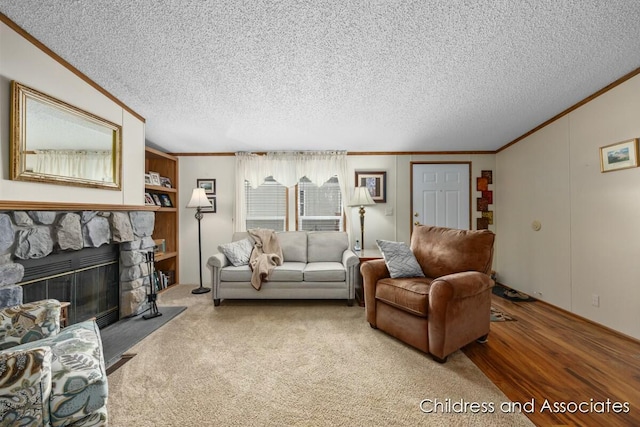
<point>578,317</point>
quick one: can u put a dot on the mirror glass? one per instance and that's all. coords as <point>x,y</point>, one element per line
<point>55,142</point>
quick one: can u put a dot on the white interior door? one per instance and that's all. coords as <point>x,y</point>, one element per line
<point>441,194</point>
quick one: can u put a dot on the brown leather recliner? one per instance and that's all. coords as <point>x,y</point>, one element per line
<point>447,309</point>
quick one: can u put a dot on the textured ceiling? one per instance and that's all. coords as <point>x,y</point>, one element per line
<point>376,75</point>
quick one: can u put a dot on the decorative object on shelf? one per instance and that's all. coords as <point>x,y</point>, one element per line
<point>156,199</point>
<point>361,198</point>
<point>155,178</point>
<point>208,185</point>
<point>152,296</point>
<point>375,182</point>
<point>165,182</point>
<point>166,200</point>
<point>199,200</point>
<point>148,200</point>
<point>147,179</point>
<point>159,246</point>
<point>621,155</point>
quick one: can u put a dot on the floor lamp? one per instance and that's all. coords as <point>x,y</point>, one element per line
<point>361,197</point>
<point>199,200</point>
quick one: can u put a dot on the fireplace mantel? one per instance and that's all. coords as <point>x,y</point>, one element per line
<point>57,206</point>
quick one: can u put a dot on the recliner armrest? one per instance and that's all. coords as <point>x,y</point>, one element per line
<point>459,285</point>
<point>372,271</point>
<point>29,322</point>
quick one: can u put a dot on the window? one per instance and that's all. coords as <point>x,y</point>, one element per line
<point>266,205</point>
<point>319,208</point>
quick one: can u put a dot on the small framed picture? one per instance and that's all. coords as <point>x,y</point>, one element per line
<point>156,199</point>
<point>166,201</point>
<point>213,208</point>
<point>148,200</point>
<point>209,185</point>
<point>621,155</point>
<point>376,182</point>
<point>155,178</point>
<point>147,179</point>
<point>165,182</point>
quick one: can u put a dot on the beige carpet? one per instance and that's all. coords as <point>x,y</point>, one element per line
<point>261,363</point>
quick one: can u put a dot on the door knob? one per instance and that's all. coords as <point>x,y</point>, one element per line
<point>416,223</point>
<point>416,214</point>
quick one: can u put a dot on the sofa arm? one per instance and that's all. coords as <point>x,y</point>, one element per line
<point>218,260</point>
<point>26,389</point>
<point>372,271</point>
<point>29,322</point>
<point>349,258</point>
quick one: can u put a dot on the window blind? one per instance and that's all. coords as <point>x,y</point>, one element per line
<point>266,205</point>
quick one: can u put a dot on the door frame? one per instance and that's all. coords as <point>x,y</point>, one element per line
<point>436,163</point>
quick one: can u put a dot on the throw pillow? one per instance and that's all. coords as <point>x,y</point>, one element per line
<point>401,262</point>
<point>239,252</point>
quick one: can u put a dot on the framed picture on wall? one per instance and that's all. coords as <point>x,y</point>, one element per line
<point>376,182</point>
<point>209,185</point>
<point>621,155</point>
<point>213,208</point>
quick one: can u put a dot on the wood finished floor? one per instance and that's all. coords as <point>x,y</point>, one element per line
<point>548,354</point>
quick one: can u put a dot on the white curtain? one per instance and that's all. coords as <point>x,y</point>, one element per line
<point>91,165</point>
<point>287,168</point>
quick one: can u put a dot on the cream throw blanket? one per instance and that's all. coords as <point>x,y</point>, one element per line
<point>265,256</point>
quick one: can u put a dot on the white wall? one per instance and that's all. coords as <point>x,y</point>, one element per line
<point>388,221</point>
<point>22,61</point>
<point>588,241</point>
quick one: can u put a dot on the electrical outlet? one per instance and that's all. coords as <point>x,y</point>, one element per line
<point>595,300</point>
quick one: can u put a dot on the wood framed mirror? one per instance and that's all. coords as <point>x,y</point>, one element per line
<point>55,142</point>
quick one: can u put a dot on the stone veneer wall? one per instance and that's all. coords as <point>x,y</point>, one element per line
<point>36,234</point>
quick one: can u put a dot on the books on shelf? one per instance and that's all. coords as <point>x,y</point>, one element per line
<point>163,279</point>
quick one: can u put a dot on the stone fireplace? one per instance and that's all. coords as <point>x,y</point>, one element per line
<point>46,239</point>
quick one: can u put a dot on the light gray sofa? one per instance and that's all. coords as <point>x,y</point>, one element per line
<point>317,265</point>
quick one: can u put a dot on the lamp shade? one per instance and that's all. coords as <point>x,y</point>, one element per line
<point>199,199</point>
<point>361,197</point>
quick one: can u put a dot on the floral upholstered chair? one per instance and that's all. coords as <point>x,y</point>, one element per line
<point>50,376</point>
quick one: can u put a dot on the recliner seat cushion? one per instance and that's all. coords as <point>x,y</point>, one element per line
<point>408,294</point>
<point>324,272</point>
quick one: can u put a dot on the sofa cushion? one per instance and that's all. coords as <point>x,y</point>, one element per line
<point>410,294</point>
<point>325,272</point>
<point>287,272</point>
<point>401,262</point>
<point>238,252</point>
<point>294,245</point>
<point>236,274</point>
<point>326,246</point>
